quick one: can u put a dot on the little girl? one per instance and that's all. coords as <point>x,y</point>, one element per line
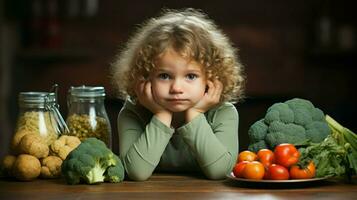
<point>177,75</point>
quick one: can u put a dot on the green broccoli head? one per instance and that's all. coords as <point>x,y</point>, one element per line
<point>294,121</point>
<point>317,127</point>
<point>279,112</point>
<point>258,131</point>
<point>255,147</point>
<point>115,174</point>
<point>311,118</point>
<point>89,162</point>
<point>279,132</point>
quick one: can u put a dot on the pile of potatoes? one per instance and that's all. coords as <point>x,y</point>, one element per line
<point>32,157</point>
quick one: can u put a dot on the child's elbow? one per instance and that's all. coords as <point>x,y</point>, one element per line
<point>137,170</point>
<point>218,170</point>
<point>215,172</point>
<point>138,176</point>
<point>215,175</point>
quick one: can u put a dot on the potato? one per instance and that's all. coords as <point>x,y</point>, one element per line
<point>17,138</point>
<point>8,162</point>
<point>34,145</point>
<point>26,167</point>
<point>51,167</point>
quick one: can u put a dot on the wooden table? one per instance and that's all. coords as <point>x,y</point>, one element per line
<point>167,186</point>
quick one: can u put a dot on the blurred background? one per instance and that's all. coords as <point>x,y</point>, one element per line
<point>290,49</point>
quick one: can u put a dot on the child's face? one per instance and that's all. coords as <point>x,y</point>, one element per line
<point>177,83</point>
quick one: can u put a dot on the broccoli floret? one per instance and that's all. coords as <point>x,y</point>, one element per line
<point>257,131</point>
<point>115,174</point>
<point>255,147</point>
<point>279,112</point>
<point>318,115</point>
<point>297,103</point>
<point>295,121</point>
<point>89,163</point>
<point>303,110</point>
<point>317,127</point>
<point>302,117</point>
<point>280,132</point>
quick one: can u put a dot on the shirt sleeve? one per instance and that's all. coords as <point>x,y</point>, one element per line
<point>214,144</point>
<point>140,147</point>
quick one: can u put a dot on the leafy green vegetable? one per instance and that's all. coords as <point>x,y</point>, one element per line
<point>328,157</point>
<point>348,140</point>
<point>336,156</point>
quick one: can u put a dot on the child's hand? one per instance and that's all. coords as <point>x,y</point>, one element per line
<point>144,94</point>
<point>209,100</point>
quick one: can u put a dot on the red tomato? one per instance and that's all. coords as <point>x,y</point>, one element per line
<point>277,172</point>
<point>238,169</point>
<point>254,170</point>
<point>266,174</point>
<point>286,155</point>
<point>266,157</point>
<point>296,172</point>
<point>247,156</point>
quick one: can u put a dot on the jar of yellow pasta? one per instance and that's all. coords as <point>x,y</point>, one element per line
<point>39,114</point>
<point>87,116</point>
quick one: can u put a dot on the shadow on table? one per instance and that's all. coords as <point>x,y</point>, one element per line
<point>277,185</point>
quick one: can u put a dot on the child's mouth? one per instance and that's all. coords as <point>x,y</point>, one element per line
<point>177,100</point>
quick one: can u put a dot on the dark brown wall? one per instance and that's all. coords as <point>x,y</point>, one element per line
<point>278,44</point>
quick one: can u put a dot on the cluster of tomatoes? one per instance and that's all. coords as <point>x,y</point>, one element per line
<point>278,165</point>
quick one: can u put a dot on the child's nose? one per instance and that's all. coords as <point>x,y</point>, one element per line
<point>176,87</point>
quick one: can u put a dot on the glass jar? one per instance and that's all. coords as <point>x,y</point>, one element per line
<point>38,114</point>
<point>87,116</point>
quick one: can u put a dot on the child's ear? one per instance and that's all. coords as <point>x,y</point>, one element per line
<point>206,90</point>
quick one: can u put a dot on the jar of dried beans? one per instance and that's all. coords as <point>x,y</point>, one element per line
<point>87,116</point>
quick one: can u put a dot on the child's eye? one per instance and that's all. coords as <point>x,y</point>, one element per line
<point>164,76</point>
<point>191,76</point>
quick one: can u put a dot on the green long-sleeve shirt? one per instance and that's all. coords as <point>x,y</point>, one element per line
<point>208,143</point>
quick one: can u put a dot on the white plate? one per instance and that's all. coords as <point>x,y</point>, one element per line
<point>231,176</point>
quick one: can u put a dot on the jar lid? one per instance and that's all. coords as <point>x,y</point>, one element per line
<point>87,91</point>
<point>37,97</point>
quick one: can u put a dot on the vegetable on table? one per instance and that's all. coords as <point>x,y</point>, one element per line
<point>92,162</point>
<point>51,167</point>
<point>277,172</point>
<point>295,121</point>
<point>17,138</point>
<point>34,145</point>
<point>280,164</point>
<point>6,165</point>
<point>64,145</point>
<point>25,142</point>
<point>286,154</point>
<point>346,138</point>
<point>247,156</point>
<point>238,169</point>
<point>336,156</point>
<point>253,170</point>
<point>266,157</point>
<point>298,172</point>
<point>26,167</point>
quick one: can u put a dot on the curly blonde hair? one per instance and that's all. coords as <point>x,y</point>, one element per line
<point>191,34</point>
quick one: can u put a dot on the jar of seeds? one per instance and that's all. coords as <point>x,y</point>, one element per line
<point>39,114</point>
<point>87,116</point>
